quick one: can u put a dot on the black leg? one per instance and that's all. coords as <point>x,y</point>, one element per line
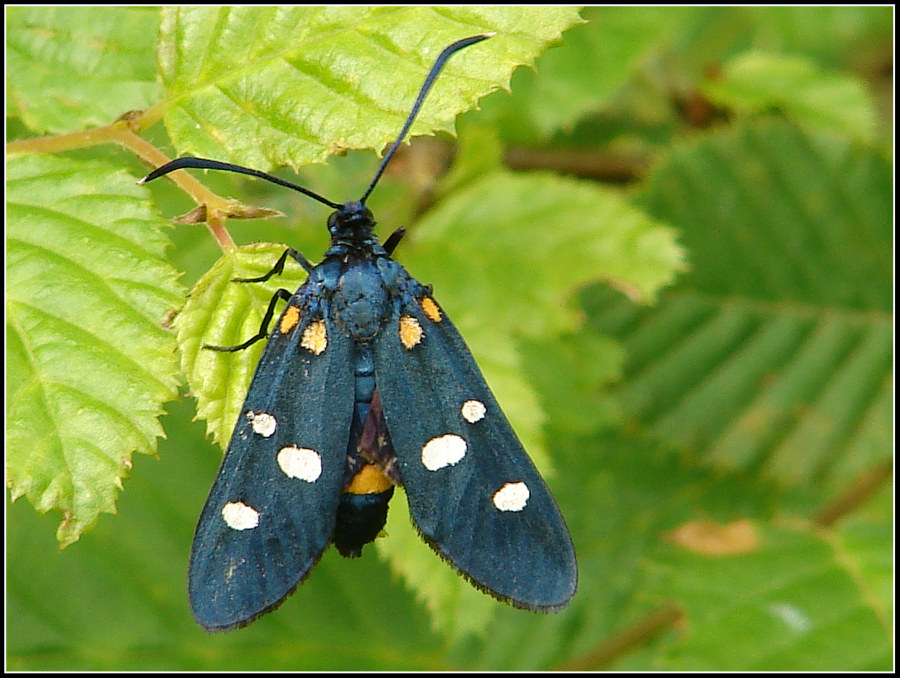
<point>279,266</point>
<point>263,328</point>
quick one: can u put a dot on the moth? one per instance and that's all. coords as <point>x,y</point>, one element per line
<point>364,385</point>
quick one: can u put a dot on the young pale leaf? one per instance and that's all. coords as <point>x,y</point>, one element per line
<point>293,85</point>
<point>225,313</point>
<point>89,364</point>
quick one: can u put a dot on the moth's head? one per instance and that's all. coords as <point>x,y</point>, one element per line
<point>352,223</point>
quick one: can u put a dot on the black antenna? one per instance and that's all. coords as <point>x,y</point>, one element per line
<point>188,162</point>
<point>201,163</point>
<point>426,87</point>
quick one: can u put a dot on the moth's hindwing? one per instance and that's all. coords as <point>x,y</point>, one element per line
<point>473,493</point>
<point>271,511</point>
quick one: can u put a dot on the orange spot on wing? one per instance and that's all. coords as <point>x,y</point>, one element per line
<point>289,319</point>
<point>431,309</point>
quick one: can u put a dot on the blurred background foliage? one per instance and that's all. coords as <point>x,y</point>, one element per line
<point>715,415</point>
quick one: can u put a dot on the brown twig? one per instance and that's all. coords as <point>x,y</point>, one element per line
<point>654,623</point>
<point>857,493</point>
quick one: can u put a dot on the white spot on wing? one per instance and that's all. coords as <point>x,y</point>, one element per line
<point>443,451</point>
<point>473,411</point>
<point>411,332</point>
<point>300,462</point>
<point>263,423</point>
<point>315,337</point>
<point>238,516</point>
<point>512,497</point>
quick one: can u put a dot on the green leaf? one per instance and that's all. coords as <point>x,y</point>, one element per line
<point>562,232</point>
<point>220,312</point>
<point>572,374</point>
<point>774,353</point>
<point>834,35</point>
<point>796,597</point>
<point>70,68</point>
<point>456,608</point>
<point>755,82</point>
<point>317,81</point>
<point>89,364</point>
<point>866,545</point>
<point>618,494</point>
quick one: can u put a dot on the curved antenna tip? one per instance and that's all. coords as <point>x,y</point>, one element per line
<point>423,92</point>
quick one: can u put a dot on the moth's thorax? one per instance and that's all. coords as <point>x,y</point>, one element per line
<point>360,286</point>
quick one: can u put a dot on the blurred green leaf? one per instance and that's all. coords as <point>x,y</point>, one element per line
<point>774,353</point>
<point>561,232</point>
<point>772,213</point>
<point>797,595</point>
<point>620,495</point>
<point>573,374</point>
<point>582,75</point>
<point>828,34</point>
<point>506,250</point>
<point>865,542</point>
<point>756,82</point>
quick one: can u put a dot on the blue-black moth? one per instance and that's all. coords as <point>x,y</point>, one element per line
<point>365,384</point>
